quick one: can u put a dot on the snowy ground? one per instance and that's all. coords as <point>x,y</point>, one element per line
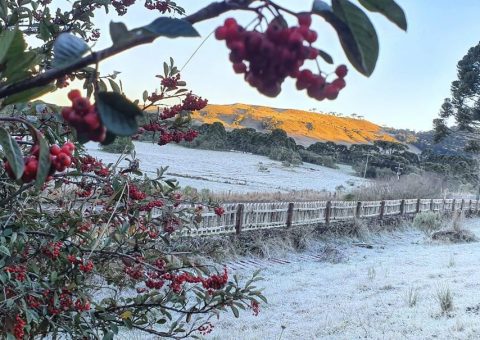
<point>366,296</point>
<point>233,171</point>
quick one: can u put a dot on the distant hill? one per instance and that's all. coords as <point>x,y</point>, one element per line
<point>305,127</point>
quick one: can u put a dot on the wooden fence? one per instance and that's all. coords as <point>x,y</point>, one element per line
<point>243,217</point>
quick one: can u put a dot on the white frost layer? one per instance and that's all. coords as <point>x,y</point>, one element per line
<point>222,171</point>
<point>365,296</point>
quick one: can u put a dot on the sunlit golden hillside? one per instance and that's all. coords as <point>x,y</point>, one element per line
<point>306,127</point>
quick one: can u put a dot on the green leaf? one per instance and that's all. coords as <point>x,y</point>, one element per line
<point>6,41</point>
<point>119,32</point>
<point>44,163</point>
<point>27,95</point>
<point>235,311</point>
<point>117,113</point>
<point>389,8</point>
<point>4,250</point>
<point>12,153</point>
<point>171,28</point>
<point>357,35</point>
<point>67,49</point>
<point>115,86</point>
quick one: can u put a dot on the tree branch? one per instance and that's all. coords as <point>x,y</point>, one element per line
<point>211,11</point>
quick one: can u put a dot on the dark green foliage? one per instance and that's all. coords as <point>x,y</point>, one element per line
<point>464,104</point>
<point>314,158</point>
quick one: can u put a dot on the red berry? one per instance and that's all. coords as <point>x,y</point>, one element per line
<point>240,68</point>
<point>221,33</point>
<point>331,92</point>
<point>341,71</point>
<point>32,166</point>
<point>68,148</point>
<point>311,36</point>
<point>230,22</point>
<point>55,150</point>
<point>74,94</point>
<point>81,105</point>
<point>64,160</point>
<point>92,121</point>
<point>304,19</point>
<point>339,83</point>
<point>66,111</point>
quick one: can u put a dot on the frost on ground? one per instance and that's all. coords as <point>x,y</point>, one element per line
<point>390,291</point>
<point>236,172</point>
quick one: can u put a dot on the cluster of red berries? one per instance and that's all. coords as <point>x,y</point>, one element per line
<point>206,328</point>
<point>177,136</point>
<point>59,162</point>
<point>61,157</point>
<point>19,327</point>
<point>161,6</point>
<point>84,266</point>
<point>82,305</point>
<point>317,86</point>
<point>135,194</point>
<point>52,249</point>
<point>121,5</point>
<point>19,272</point>
<point>171,83</point>
<point>216,281</point>
<point>149,206</point>
<point>267,59</point>
<point>82,115</point>
<point>91,164</point>
<point>33,302</point>
<point>219,211</point>
<point>134,271</point>
<point>171,225</point>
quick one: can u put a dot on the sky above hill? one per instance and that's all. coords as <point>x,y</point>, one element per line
<point>412,77</point>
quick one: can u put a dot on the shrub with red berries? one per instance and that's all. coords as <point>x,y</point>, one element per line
<point>267,58</point>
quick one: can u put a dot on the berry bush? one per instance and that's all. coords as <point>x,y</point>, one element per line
<point>88,249</point>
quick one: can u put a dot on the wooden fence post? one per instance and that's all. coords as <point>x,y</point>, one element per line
<point>470,206</point>
<point>402,208</point>
<point>443,205</point>
<point>382,209</point>
<point>418,206</point>
<point>239,219</point>
<point>461,204</point>
<point>453,205</point>
<point>290,215</point>
<point>358,211</point>
<point>431,204</point>
<point>328,211</point>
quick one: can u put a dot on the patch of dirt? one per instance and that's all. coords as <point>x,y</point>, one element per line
<point>454,236</point>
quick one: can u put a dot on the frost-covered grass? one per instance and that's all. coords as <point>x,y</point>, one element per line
<point>415,281</point>
<point>221,171</point>
<point>405,287</point>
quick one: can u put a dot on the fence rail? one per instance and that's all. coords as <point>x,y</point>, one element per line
<point>244,217</point>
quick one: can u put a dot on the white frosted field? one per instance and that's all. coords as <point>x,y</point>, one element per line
<point>365,296</point>
<point>235,172</point>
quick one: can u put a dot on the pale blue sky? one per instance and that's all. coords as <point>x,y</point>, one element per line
<point>412,77</point>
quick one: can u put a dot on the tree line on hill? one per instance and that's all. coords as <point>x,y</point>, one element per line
<point>385,159</point>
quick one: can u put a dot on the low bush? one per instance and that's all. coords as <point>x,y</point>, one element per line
<point>312,157</point>
<point>287,156</point>
<point>428,221</point>
<point>120,145</point>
